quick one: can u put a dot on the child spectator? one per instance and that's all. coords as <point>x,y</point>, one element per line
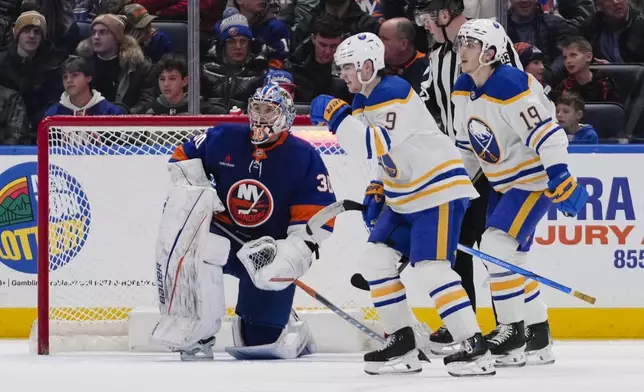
<point>154,43</point>
<point>591,85</point>
<point>79,99</point>
<point>532,61</point>
<point>570,110</point>
<point>172,73</point>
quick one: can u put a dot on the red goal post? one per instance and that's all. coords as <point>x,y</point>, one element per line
<point>104,180</point>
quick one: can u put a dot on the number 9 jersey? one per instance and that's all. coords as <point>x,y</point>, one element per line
<point>508,127</point>
<point>419,165</point>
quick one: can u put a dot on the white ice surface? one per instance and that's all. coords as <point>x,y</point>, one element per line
<point>582,366</point>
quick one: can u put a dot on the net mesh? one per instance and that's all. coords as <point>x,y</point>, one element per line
<point>107,189</point>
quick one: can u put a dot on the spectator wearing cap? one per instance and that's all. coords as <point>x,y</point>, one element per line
<point>123,75</point>
<point>528,23</point>
<point>234,73</point>
<point>532,61</point>
<point>153,42</point>
<point>282,78</point>
<point>62,31</point>
<point>79,99</point>
<point>29,67</point>
<point>312,62</point>
<point>401,57</point>
<point>172,74</point>
<point>272,35</point>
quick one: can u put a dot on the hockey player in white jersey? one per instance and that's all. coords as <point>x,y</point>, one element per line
<point>506,125</point>
<point>415,207</point>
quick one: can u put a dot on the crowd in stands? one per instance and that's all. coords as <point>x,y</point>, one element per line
<point>121,57</point>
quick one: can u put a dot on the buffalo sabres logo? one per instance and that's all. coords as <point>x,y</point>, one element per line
<point>250,203</point>
<point>388,165</point>
<point>483,140</point>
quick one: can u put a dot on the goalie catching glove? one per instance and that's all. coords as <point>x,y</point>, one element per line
<point>274,264</point>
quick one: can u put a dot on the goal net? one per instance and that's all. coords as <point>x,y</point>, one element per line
<point>102,185</point>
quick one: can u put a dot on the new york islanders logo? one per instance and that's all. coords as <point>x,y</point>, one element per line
<point>250,203</point>
<point>483,140</point>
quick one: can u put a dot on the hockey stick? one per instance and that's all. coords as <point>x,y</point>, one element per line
<point>526,273</point>
<point>318,220</point>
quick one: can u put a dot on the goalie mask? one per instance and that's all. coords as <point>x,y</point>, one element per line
<point>270,111</point>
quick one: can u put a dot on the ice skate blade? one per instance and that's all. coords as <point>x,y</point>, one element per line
<point>408,363</point>
<point>442,350</point>
<point>545,356</point>
<point>196,357</point>
<point>514,358</point>
<point>483,366</point>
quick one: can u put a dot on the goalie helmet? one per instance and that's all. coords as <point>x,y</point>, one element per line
<point>488,33</point>
<point>357,50</point>
<point>270,111</point>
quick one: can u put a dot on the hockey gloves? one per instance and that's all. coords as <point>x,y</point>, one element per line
<point>328,110</point>
<point>374,200</point>
<point>568,196</point>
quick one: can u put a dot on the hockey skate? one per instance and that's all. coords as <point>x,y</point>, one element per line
<point>200,351</point>
<point>507,345</point>
<point>398,356</point>
<point>474,359</point>
<point>539,344</point>
<point>442,343</point>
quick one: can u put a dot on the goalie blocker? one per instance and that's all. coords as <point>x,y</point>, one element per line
<point>189,273</point>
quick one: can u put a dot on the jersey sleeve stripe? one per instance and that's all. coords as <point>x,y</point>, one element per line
<point>519,175</point>
<point>513,169</point>
<point>536,128</point>
<point>382,142</point>
<point>368,144</point>
<point>301,213</point>
<point>460,171</point>
<point>543,139</point>
<point>424,177</point>
<point>178,155</point>
<point>538,178</point>
<point>401,101</point>
<point>432,189</point>
<point>537,139</point>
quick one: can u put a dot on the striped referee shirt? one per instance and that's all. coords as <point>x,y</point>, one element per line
<point>440,76</point>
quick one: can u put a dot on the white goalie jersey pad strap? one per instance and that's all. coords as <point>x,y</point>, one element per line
<point>189,260</point>
<point>294,341</point>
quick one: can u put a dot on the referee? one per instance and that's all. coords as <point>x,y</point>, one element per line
<point>444,18</point>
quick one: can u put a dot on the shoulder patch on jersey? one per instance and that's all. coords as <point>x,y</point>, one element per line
<point>464,85</point>
<point>390,90</point>
<point>506,85</point>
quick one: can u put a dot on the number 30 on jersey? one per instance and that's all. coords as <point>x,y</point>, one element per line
<point>324,183</point>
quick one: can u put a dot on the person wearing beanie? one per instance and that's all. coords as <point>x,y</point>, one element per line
<point>79,99</point>
<point>29,67</point>
<point>234,73</point>
<point>123,75</point>
<point>532,59</point>
<point>139,25</point>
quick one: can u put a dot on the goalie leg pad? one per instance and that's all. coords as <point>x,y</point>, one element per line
<point>295,340</point>
<point>188,269</point>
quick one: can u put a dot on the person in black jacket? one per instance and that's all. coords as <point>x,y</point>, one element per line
<point>29,66</point>
<point>352,18</point>
<point>616,32</point>
<point>401,57</point>
<point>234,73</point>
<point>172,73</point>
<point>311,62</point>
<point>14,128</point>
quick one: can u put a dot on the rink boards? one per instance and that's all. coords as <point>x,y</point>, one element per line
<point>600,252</point>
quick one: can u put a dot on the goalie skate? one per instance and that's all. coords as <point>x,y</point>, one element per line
<point>507,345</point>
<point>474,359</point>
<point>200,351</point>
<point>539,344</point>
<point>399,355</point>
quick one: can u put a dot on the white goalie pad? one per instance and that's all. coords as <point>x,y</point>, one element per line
<point>275,264</point>
<point>189,260</point>
<point>294,341</point>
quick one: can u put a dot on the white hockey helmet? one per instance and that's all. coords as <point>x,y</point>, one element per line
<point>357,50</point>
<point>489,34</point>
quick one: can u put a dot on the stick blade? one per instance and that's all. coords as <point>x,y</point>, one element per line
<point>584,297</point>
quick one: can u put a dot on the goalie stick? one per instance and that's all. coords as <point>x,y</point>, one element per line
<point>318,220</point>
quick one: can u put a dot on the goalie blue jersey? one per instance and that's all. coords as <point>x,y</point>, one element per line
<point>267,191</point>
